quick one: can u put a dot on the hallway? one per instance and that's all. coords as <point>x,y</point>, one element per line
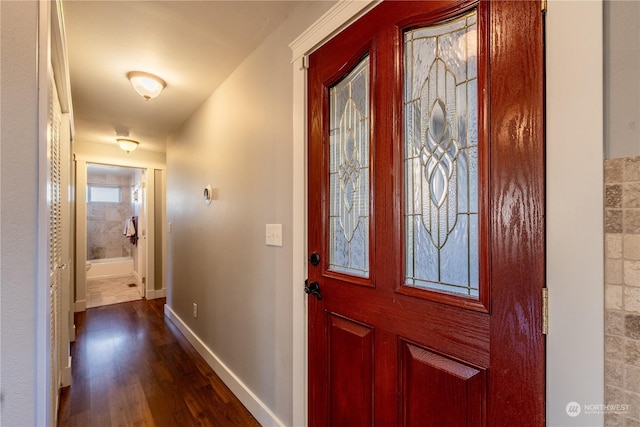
<point>133,367</point>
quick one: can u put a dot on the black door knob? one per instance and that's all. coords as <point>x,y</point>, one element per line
<point>313,288</point>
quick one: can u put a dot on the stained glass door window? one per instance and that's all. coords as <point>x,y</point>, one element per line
<point>349,172</point>
<point>441,157</point>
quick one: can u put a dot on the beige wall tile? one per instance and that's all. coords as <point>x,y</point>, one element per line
<point>611,419</point>
<point>613,220</point>
<point>631,221</point>
<point>613,196</point>
<point>622,354</point>
<point>630,196</point>
<point>631,246</point>
<point>613,271</point>
<point>632,326</point>
<point>633,400</point>
<point>613,170</point>
<point>631,378</point>
<point>614,371</point>
<point>632,299</point>
<point>613,297</point>
<point>631,351</point>
<point>631,272</point>
<point>614,347</point>
<point>630,422</point>
<point>614,245</point>
<point>613,395</point>
<point>613,322</point>
<point>631,170</point>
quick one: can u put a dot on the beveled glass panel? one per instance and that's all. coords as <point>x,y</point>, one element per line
<point>441,157</point>
<point>349,173</point>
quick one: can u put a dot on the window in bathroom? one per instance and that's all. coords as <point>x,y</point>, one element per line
<point>104,194</point>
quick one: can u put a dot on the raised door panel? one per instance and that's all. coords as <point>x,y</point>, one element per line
<point>350,372</point>
<point>439,391</point>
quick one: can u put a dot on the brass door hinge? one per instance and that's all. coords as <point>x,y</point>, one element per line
<point>545,311</point>
<point>543,6</point>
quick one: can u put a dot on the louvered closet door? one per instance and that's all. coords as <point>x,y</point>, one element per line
<point>54,203</point>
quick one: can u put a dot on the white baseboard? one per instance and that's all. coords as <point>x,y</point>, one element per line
<point>80,306</point>
<point>257,408</point>
<point>156,293</point>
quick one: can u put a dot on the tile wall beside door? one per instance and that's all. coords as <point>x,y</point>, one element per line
<point>622,291</point>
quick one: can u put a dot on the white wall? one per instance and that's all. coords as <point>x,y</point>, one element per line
<point>575,355</point>
<point>622,78</point>
<point>240,142</point>
<point>18,214</point>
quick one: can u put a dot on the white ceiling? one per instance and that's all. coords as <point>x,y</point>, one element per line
<point>192,45</point>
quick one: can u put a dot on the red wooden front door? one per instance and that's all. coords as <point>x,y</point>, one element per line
<point>426,217</point>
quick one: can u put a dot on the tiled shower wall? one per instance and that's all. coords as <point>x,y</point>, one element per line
<point>105,221</point>
<point>622,290</point>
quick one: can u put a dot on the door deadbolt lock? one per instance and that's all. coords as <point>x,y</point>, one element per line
<point>314,259</point>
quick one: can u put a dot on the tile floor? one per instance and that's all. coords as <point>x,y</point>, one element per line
<point>111,290</point>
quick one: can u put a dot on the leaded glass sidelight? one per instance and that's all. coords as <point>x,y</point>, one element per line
<point>441,157</point>
<point>349,173</point>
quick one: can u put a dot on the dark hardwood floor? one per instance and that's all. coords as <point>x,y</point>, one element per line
<point>131,367</point>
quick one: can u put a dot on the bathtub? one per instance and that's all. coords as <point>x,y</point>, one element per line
<point>109,267</point>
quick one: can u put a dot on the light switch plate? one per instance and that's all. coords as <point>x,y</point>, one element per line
<point>274,235</point>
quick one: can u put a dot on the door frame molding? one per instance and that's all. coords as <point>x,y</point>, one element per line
<point>585,188</point>
<point>335,19</point>
<point>80,162</point>
<point>575,278</point>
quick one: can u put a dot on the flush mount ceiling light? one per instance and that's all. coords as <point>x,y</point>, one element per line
<point>147,85</point>
<point>127,145</point>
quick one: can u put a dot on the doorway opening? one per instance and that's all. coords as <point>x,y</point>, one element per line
<point>115,217</point>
